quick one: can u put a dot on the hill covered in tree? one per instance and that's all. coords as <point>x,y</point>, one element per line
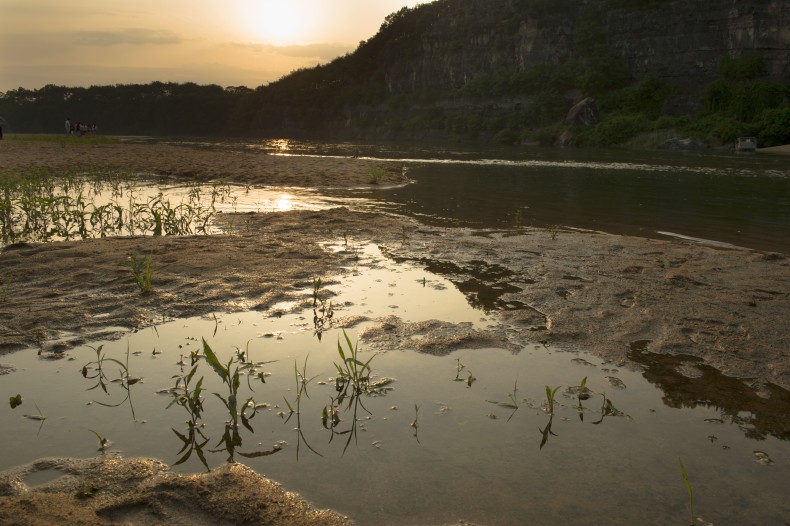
<point>504,70</point>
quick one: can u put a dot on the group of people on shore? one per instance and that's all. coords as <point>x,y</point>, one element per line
<point>80,128</point>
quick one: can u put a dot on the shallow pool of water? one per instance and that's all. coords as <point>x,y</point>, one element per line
<point>438,446</point>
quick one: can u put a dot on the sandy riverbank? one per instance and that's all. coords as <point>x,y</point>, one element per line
<point>253,167</point>
<point>782,150</point>
<point>723,308</point>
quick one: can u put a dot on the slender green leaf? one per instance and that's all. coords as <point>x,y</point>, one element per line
<point>688,489</point>
<point>214,362</point>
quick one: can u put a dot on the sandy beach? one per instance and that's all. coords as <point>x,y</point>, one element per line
<point>781,150</point>
<point>724,307</point>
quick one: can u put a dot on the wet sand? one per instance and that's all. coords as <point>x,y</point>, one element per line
<point>723,306</point>
<point>253,167</point>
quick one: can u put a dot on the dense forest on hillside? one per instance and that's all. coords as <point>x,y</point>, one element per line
<point>493,70</point>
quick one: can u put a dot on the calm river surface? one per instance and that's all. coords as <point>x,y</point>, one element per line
<point>724,197</point>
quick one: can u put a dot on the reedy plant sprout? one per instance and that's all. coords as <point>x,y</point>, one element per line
<point>231,438</point>
<point>550,399</point>
<point>608,409</point>
<point>141,271</point>
<point>376,174</point>
<point>40,206</point>
<point>190,398</point>
<point>352,381</point>
<point>351,371</point>
<point>582,393</point>
<point>513,404</point>
<point>688,490</point>
<point>231,381</point>
<point>416,422</point>
<point>104,442</point>
<point>5,286</point>
<point>460,367</point>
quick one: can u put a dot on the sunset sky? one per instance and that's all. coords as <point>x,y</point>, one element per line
<point>225,42</point>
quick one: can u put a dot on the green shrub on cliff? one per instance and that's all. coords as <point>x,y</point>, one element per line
<point>744,100</point>
<point>747,67</point>
<point>773,127</point>
<point>614,130</point>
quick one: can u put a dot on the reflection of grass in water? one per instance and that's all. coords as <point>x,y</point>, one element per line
<point>342,418</point>
<point>352,382</point>
<point>189,396</point>
<point>94,370</point>
<point>39,205</point>
<point>301,383</point>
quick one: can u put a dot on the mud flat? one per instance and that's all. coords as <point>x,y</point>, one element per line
<point>626,299</point>
<point>254,167</point>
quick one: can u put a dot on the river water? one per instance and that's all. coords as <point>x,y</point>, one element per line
<point>466,436</point>
<point>719,196</point>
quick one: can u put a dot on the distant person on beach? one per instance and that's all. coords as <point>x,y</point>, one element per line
<point>68,125</point>
<point>1,132</point>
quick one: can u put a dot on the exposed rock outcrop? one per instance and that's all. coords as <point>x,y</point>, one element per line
<point>584,113</point>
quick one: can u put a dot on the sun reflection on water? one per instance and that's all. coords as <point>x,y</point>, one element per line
<point>284,203</point>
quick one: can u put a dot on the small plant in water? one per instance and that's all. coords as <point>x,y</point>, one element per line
<point>550,399</point>
<point>231,380</point>
<point>316,289</point>
<point>191,400</point>
<point>352,382</point>
<point>512,404</point>
<point>103,441</point>
<point>141,271</point>
<point>582,393</point>
<point>693,519</point>
<point>416,422</point>
<point>351,371</point>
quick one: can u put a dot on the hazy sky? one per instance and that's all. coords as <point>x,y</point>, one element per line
<point>225,42</point>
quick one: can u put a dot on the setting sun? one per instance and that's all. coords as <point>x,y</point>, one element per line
<point>279,23</point>
<point>233,43</point>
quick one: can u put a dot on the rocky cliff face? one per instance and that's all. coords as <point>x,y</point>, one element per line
<point>681,41</point>
<point>481,67</point>
<point>684,41</point>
